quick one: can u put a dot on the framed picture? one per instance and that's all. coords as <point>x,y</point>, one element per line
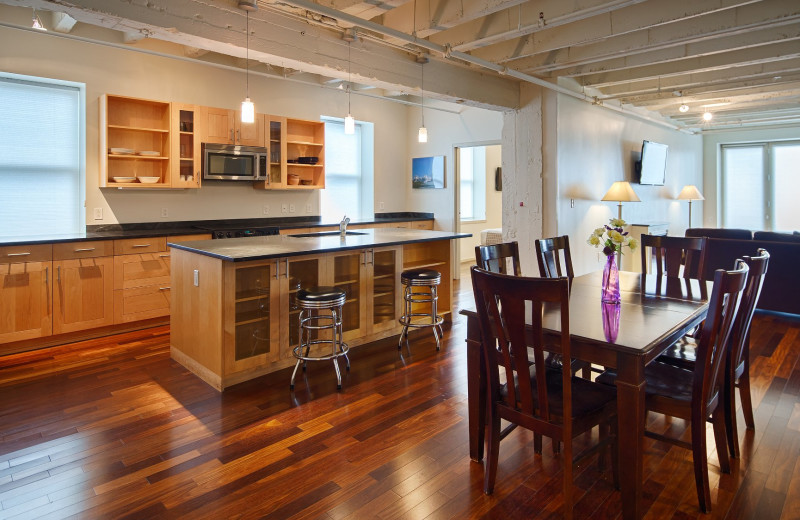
<point>427,172</point>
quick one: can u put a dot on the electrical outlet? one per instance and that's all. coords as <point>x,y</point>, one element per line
<point>291,208</point>
<point>284,208</point>
<point>164,212</point>
<point>308,208</point>
<point>98,213</point>
<point>381,205</point>
<point>266,209</point>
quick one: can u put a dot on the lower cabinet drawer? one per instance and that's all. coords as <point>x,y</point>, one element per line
<point>141,303</point>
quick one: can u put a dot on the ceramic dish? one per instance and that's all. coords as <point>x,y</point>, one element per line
<point>124,179</point>
<point>120,151</point>
<point>149,180</point>
<point>150,152</point>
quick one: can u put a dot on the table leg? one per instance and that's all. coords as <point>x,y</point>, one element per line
<point>631,418</point>
<point>476,392</point>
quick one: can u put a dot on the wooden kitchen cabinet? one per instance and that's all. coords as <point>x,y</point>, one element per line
<point>224,126</point>
<point>134,142</point>
<point>301,272</point>
<point>83,289</point>
<point>187,127</point>
<point>383,291</point>
<point>141,280</point>
<point>25,292</point>
<point>288,141</point>
<point>252,315</point>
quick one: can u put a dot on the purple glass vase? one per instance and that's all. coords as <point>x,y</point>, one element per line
<point>611,280</point>
<point>611,321</point>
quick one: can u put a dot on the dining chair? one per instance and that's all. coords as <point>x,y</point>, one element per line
<point>684,353</point>
<point>495,258</point>
<point>698,395</point>
<point>552,403</point>
<point>672,253</point>
<point>554,257</point>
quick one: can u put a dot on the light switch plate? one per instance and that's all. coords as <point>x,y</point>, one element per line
<point>197,278</point>
<point>98,213</point>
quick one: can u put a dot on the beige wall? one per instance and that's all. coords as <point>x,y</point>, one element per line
<point>119,71</point>
<point>596,147</point>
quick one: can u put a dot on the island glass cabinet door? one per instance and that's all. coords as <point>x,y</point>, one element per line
<point>347,271</point>
<point>301,272</point>
<point>252,328</point>
<point>383,288</point>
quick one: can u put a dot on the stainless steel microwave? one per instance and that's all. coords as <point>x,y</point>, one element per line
<point>227,162</point>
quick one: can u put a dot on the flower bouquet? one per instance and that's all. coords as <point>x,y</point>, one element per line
<point>612,238</point>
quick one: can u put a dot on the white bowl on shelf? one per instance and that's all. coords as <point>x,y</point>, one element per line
<point>120,151</point>
<point>150,153</point>
<point>149,180</point>
<point>123,179</point>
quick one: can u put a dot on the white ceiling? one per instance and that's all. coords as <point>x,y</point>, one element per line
<point>738,59</point>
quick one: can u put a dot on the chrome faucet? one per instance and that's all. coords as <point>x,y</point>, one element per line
<point>343,225</point>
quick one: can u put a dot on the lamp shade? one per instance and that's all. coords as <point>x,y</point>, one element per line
<point>690,192</point>
<point>621,191</point>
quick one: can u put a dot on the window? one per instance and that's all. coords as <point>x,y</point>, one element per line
<point>41,156</point>
<point>472,179</point>
<point>348,172</point>
<point>759,186</point>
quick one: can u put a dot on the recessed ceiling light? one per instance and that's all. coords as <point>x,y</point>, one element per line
<point>684,108</point>
<point>708,116</point>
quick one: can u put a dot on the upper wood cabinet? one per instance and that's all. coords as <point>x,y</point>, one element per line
<point>224,126</point>
<point>134,142</point>
<point>297,154</point>
<point>187,129</point>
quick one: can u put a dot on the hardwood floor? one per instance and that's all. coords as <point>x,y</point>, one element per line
<point>113,428</point>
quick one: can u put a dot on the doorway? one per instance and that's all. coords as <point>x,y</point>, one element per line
<point>478,196</point>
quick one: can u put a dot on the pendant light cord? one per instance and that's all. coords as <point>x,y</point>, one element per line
<point>247,58</point>
<point>421,68</point>
<point>349,77</point>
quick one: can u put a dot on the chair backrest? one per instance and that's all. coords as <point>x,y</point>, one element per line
<point>740,337</point>
<point>547,253</point>
<point>495,257</point>
<point>716,333</point>
<point>670,253</point>
<point>502,302</point>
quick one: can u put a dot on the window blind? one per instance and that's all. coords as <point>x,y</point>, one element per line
<point>40,157</point>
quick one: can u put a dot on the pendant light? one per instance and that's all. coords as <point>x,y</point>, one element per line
<point>37,23</point>
<point>248,108</point>
<point>349,121</point>
<point>422,135</point>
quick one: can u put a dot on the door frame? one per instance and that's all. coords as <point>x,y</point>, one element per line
<point>456,251</point>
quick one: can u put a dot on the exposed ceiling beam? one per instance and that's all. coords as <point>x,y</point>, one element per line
<point>433,16</point>
<point>615,23</point>
<point>775,53</point>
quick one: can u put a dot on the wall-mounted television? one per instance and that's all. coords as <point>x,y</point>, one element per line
<point>652,167</point>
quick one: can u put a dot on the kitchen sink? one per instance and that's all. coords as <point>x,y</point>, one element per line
<point>326,234</point>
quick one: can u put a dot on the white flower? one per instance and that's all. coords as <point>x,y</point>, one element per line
<point>633,243</point>
<point>618,223</point>
<point>599,231</point>
<point>594,240</point>
<point>615,236</point>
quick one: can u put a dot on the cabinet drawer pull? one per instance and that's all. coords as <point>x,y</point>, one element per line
<point>58,274</point>
<point>140,245</point>
<point>18,254</point>
<point>46,281</point>
<point>231,134</point>
<point>287,269</point>
<point>84,249</point>
<point>164,256</point>
<point>164,288</point>
<point>277,268</point>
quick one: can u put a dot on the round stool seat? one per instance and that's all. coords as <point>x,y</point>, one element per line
<point>321,297</point>
<point>426,276</point>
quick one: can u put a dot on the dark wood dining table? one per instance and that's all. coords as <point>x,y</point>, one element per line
<point>654,313</point>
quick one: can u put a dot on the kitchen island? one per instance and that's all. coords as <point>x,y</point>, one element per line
<point>232,311</point>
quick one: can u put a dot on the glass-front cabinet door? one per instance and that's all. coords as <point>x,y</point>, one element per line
<point>296,273</point>
<point>347,271</point>
<point>383,294</point>
<point>252,326</point>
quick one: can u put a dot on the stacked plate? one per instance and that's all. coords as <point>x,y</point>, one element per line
<point>120,151</point>
<point>150,153</point>
<point>123,179</point>
<point>149,180</point>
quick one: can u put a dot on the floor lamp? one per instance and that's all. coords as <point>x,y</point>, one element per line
<point>690,193</point>
<point>620,192</point>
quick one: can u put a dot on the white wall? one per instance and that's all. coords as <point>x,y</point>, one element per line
<point>594,147</point>
<point>118,71</point>
<point>494,208</point>
<point>711,163</point>
<point>472,126</point>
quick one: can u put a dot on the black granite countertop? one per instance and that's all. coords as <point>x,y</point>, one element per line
<point>167,229</point>
<point>265,247</point>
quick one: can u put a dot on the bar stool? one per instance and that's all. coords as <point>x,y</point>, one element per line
<point>320,299</point>
<point>420,278</point>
